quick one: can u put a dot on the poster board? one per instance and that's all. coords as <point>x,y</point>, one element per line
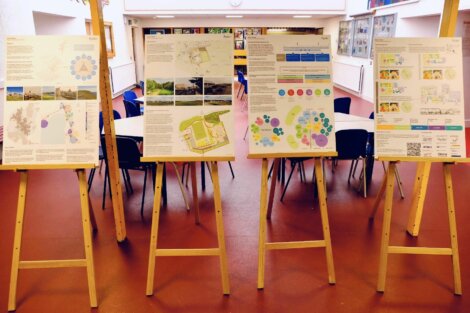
<point>51,100</point>
<point>290,95</point>
<point>345,37</point>
<point>383,27</point>
<point>419,107</point>
<point>188,102</point>
<point>361,40</point>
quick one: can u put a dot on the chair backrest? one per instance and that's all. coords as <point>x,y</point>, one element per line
<point>241,77</point>
<point>342,105</point>
<point>116,115</point>
<point>371,116</point>
<point>131,108</point>
<point>142,85</point>
<point>351,143</point>
<point>128,151</point>
<point>245,84</point>
<point>129,95</point>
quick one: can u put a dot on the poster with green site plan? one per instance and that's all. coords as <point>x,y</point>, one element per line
<point>188,96</point>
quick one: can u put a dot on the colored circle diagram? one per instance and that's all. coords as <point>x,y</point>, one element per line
<point>312,128</point>
<point>83,67</point>
<point>266,130</point>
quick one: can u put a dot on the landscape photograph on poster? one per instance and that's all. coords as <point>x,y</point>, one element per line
<point>32,93</point>
<point>87,93</point>
<point>160,101</point>
<point>66,93</point>
<point>188,86</point>
<point>48,93</point>
<point>160,86</point>
<point>14,93</point>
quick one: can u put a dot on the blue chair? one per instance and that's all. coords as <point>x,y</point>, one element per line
<point>242,81</point>
<point>342,105</point>
<point>351,144</point>
<point>129,95</point>
<point>142,85</point>
<point>132,109</point>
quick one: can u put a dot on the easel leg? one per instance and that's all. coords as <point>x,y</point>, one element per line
<point>194,188</point>
<point>220,229</point>
<point>262,223</point>
<point>87,236</point>
<point>453,228</point>
<point>419,194</point>
<point>324,219</point>
<point>273,187</point>
<point>378,198</point>
<point>386,226</point>
<point>17,241</point>
<point>154,230</point>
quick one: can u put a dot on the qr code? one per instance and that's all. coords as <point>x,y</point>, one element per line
<point>413,149</point>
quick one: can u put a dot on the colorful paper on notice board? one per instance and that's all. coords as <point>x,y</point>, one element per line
<point>188,96</point>
<point>419,103</point>
<point>290,94</point>
<point>51,100</point>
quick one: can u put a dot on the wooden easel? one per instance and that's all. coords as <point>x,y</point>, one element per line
<point>386,249</point>
<point>87,218</point>
<point>220,251</point>
<point>266,205</point>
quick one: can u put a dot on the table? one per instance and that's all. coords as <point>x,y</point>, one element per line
<point>140,100</point>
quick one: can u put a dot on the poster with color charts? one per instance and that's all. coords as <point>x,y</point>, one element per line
<point>290,94</point>
<point>362,34</point>
<point>419,98</point>
<point>345,37</point>
<point>51,100</point>
<point>188,96</point>
<point>384,27</point>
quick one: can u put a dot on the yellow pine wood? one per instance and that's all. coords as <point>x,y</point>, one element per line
<point>419,250</point>
<point>90,268</point>
<point>262,223</point>
<point>53,263</point>
<point>449,18</point>
<point>295,245</point>
<point>378,198</point>
<point>192,167</point>
<point>108,121</point>
<point>324,219</point>
<point>419,195</point>
<point>386,226</point>
<point>220,229</point>
<point>453,228</point>
<point>154,230</point>
<point>17,241</point>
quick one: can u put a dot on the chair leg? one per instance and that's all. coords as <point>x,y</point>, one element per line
<point>288,180</point>
<point>231,169</point>
<point>143,194</point>
<point>350,172</point>
<point>246,132</point>
<point>364,180</point>
<point>356,162</point>
<point>129,181</point>
<point>181,185</point>
<point>125,181</point>
<point>399,183</point>
<point>271,170</point>
<point>101,166</point>
<point>90,178</point>
<point>182,172</point>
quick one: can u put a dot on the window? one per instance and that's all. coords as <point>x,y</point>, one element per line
<point>108,34</point>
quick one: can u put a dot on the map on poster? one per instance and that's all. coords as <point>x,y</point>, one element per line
<point>51,100</point>
<point>188,96</point>
<point>419,98</point>
<point>291,94</point>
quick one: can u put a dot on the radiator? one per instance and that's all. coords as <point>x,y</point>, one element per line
<point>122,77</point>
<point>349,76</point>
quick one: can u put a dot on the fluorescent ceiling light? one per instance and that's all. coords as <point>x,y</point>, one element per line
<point>164,16</point>
<point>234,16</point>
<point>302,16</point>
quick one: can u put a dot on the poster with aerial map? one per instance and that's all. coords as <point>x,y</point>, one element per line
<point>51,100</point>
<point>188,95</point>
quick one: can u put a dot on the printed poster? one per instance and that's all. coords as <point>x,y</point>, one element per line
<point>362,34</point>
<point>188,95</point>
<point>419,98</point>
<point>290,94</point>
<point>51,100</point>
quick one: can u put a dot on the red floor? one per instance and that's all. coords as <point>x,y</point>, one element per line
<point>296,280</point>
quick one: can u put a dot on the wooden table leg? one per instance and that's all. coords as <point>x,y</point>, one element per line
<point>90,268</point>
<point>262,223</point>
<point>324,218</point>
<point>17,241</point>
<point>220,229</point>
<point>192,167</point>
<point>419,194</point>
<point>453,228</point>
<point>386,226</point>
<point>154,230</point>
<point>273,187</point>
